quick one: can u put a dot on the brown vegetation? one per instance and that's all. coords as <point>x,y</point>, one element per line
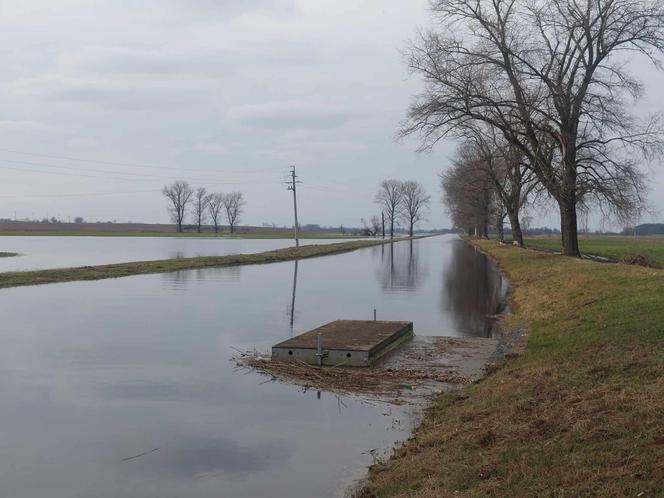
<point>578,414</point>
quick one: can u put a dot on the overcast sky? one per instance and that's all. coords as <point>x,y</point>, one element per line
<point>223,93</point>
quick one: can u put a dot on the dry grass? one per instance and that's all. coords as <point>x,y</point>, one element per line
<point>580,413</point>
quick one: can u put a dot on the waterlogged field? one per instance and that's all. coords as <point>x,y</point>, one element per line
<point>46,252</point>
<point>617,247</point>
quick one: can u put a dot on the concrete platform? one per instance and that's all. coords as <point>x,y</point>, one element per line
<point>356,343</point>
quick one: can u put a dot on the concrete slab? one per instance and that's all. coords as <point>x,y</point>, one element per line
<point>345,342</point>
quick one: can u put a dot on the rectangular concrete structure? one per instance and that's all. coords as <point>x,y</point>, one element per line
<point>357,343</point>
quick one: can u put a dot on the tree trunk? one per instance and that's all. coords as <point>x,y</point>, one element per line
<point>517,234</point>
<point>216,228</point>
<point>410,231</point>
<point>568,229</point>
<point>391,228</point>
<point>231,227</point>
<point>500,233</point>
<point>567,203</point>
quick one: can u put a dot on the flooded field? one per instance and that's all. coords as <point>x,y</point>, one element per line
<point>43,252</point>
<point>124,388</point>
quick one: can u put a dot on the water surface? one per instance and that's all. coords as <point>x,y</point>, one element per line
<point>123,388</point>
<point>43,252</point>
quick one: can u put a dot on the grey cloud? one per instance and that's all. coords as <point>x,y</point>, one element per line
<point>291,114</point>
<point>205,9</point>
<point>119,60</point>
<point>114,95</point>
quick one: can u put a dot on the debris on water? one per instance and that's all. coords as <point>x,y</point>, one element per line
<point>421,368</point>
<point>373,382</point>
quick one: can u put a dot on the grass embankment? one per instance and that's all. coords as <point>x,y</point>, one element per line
<point>579,413</point>
<point>619,248</point>
<point>38,277</point>
<point>8,254</point>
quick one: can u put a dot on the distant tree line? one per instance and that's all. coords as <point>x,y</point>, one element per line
<point>539,94</point>
<point>202,206</point>
<point>645,229</point>
<point>400,201</point>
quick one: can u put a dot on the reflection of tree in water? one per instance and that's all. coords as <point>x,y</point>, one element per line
<point>472,290</point>
<point>181,278</point>
<point>400,266</point>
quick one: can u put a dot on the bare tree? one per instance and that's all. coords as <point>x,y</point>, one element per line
<point>390,198</point>
<point>469,195</point>
<point>415,202</point>
<point>375,224</point>
<point>200,207</point>
<point>179,195</point>
<point>506,166</point>
<point>233,204</point>
<point>215,203</point>
<point>372,228</point>
<point>549,75</point>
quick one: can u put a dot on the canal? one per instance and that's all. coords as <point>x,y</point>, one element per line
<point>125,388</point>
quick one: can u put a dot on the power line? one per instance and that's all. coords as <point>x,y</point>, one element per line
<point>117,178</point>
<point>137,176</point>
<point>115,163</point>
<point>80,194</point>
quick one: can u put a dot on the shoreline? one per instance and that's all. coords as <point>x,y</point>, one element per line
<point>578,401</point>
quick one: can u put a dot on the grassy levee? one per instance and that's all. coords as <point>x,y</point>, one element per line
<point>647,249</point>
<point>38,277</point>
<point>579,413</point>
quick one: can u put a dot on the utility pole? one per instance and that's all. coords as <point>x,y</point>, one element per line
<point>291,186</point>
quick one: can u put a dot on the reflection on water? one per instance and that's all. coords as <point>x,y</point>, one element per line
<point>400,266</point>
<point>179,280</point>
<point>197,457</point>
<point>123,388</point>
<point>291,311</point>
<point>473,290</point>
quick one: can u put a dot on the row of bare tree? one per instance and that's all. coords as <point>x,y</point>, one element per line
<point>539,93</point>
<point>400,201</point>
<point>204,206</point>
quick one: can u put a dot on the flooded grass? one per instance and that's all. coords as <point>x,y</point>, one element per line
<point>579,413</point>
<point>38,277</point>
<point>8,254</point>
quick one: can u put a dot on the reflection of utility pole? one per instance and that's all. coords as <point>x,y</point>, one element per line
<point>292,307</point>
<point>291,186</point>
